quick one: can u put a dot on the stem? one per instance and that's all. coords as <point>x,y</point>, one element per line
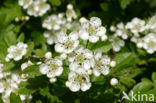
<point>87,44</point>
<point>23,23</point>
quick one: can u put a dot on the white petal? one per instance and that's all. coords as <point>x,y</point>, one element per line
<point>73,36</point>
<point>95,21</point>
<point>86,64</point>
<point>59,71</point>
<point>85,86</point>
<point>84,35</point>
<point>105,70</point>
<point>101,31</point>
<point>96,72</point>
<point>73,66</point>
<point>44,69</point>
<point>74,86</point>
<point>59,48</point>
<point>93,39</point>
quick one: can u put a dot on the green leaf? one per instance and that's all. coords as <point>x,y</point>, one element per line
<point>1,100</point>
<point>154,76</point>
<point>104,6</point>
<point>15,98</point>
<point>30,49</point>
<point>21,37</point>
<point>142,87</point>
<point>9,12</point>
<point>100,46</point>
<point>125,3</point>
<point>128,82</point>
<point>98,80</point>
<point>39,52</point>
<point>10,38</point>
<point>55,2</point>
<point>8,66</point>
<point>39,39</point>
<point>123,58</point>
<point>24,88</point>
<point>32,71</point>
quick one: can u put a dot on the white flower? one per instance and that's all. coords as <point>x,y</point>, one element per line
<point>25,3</point>
<point>113,81</point>
<point>136,26</point>
<point>112,28</point>
<point>122,31</point>
<point>66,43</point>
<point>152,23</point>
<point>26,64</point>
<point>70,13</point>
<point>139,43</point>
<point>92,30</point>
<point>38,8</point>
<point>78,80</point>
<point>16,52</point>
<point>48,55</point>
<point>52,67</point>
<point>112,63</point>
<point>149,43</point>
<point>50,36</point>
<point>100,64</point>
<point>9,83</point>
<point>53,22</point>
<point>80,57</point>
<point>117,43</point>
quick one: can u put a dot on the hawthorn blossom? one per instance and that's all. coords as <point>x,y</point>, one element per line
<point>80,57</point>
<point>53,22</point>
<point>35,7</point>
<point>25,3</point>
<point>9,83</point>
<point>117,43</point>
<point>92,30</point>
<point>78,80</point>
<point>52,67</point>
<point>50,36</point>
<point>16,52</point>
<point>149,43</point>
<point>136,26</point>
<point>122,31</point>
<point>70,13</point>
<point>66,43</point>
<point>100,64</point>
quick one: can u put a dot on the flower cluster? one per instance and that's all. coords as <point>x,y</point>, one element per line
<point>9,83</point>
<point>16,52</point>
<point>52,68</point>
<point>92,30</point>
<point>140,32</point>
<point>35,7</point>
<point>61,22</point>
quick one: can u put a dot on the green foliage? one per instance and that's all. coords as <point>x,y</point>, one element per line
<point>125,3</point>
<point>15,98</point>
<point>135,69</point>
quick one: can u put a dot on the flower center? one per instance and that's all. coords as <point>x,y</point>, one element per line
<point>79,58</point>
<point>80,78</point>
<point>68,44</point>
<point>53,66</point>
<point>17,52</point>
<point>91,30</point>
<point>151,44</point>
<point>53,22</point>
<point>98,64</point>
<point>137,27</point>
